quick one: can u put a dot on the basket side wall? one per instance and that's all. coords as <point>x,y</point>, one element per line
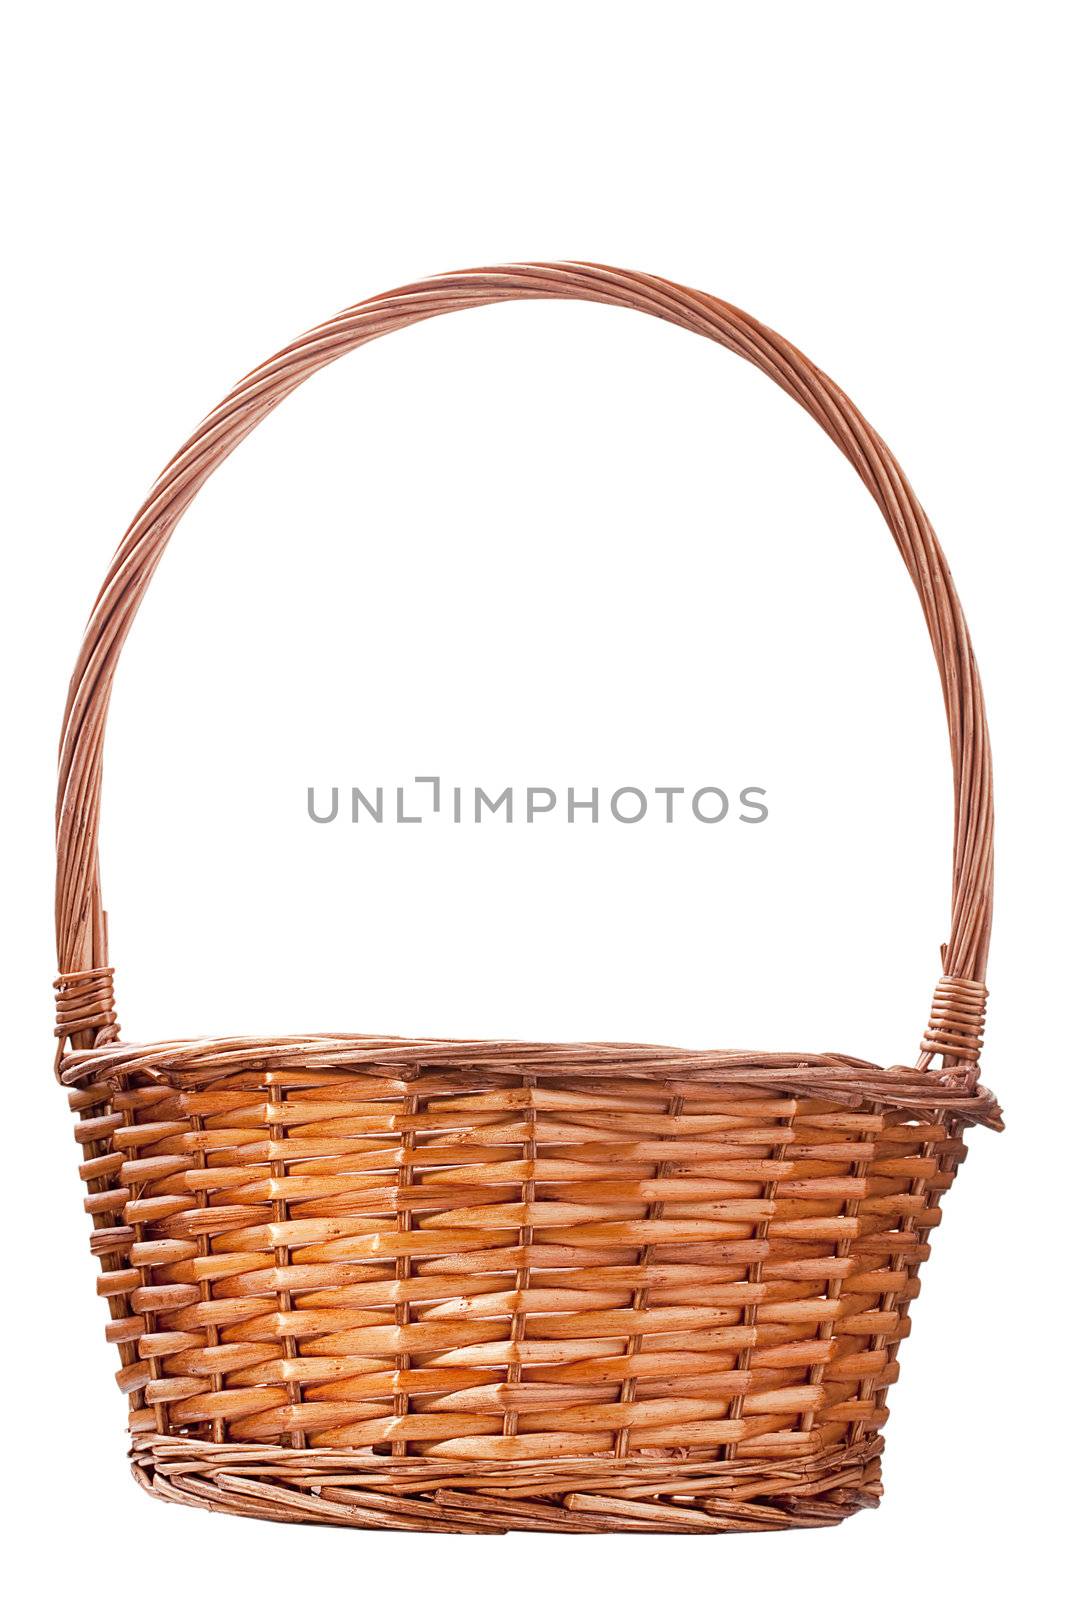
<point>569,1281</point>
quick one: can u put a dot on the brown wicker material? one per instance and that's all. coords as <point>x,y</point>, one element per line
<point>479,1285</point>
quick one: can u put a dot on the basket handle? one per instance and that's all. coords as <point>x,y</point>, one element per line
<point>86,1014</point>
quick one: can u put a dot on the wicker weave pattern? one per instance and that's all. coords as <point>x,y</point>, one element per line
<point>473,1285</point>
<point>509,1269</point>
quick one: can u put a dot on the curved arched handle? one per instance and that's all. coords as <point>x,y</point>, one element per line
<point>86,1008</point>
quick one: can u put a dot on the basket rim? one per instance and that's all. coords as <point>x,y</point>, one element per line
<point>511,1063</point>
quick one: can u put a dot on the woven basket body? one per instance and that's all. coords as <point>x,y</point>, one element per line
<point>479,1285</point>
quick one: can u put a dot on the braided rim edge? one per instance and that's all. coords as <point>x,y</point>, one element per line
<point>566,1495</point>
<point>847,1080</point>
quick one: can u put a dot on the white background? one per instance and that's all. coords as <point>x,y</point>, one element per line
<point>542,544</point>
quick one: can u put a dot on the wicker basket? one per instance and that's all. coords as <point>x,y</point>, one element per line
<point>480,1285</point>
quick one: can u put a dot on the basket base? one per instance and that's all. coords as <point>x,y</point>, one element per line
<point>674,1494</point>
